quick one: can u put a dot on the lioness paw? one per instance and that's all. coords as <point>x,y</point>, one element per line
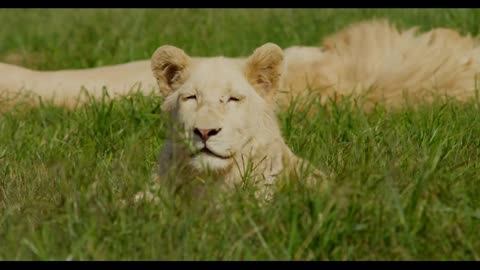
<point>145,196</point>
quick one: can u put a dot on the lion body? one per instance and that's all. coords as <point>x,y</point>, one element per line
<point>370,58</point>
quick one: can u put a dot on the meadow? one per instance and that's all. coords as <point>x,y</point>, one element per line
<point>407,184</point>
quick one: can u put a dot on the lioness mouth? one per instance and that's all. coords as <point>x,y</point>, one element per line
<point>209,152</point>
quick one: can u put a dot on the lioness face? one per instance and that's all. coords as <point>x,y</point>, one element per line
<point>219,105</point>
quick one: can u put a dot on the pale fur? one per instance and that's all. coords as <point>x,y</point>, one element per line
<point>371,59</point>
<point>386,65</point>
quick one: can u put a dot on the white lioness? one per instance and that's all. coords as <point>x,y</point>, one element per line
<point>223,108</point>
<point>223,116</point>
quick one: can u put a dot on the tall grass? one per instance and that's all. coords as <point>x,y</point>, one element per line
<point>407,183</point>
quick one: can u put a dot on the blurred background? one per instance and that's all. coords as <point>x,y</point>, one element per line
<point>79,38</point>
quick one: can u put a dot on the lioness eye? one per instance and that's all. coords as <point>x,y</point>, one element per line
<point>191,97</point>
<point>234,99</point>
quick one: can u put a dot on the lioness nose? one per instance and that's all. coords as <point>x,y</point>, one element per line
<point>206,133</point>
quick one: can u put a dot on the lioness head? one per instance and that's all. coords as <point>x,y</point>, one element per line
<point>221,107</point>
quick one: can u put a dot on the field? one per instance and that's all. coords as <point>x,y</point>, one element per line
<point>407,183</point>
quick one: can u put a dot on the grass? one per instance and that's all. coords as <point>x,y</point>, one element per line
<point>407,185</point>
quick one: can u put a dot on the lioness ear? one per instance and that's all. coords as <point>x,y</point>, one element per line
<point>170,68</point>
<point>263,69</point>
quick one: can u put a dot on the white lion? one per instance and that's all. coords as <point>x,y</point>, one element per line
<point>223,117</point>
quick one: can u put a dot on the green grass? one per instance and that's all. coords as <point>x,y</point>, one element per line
<point>407,183</point>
